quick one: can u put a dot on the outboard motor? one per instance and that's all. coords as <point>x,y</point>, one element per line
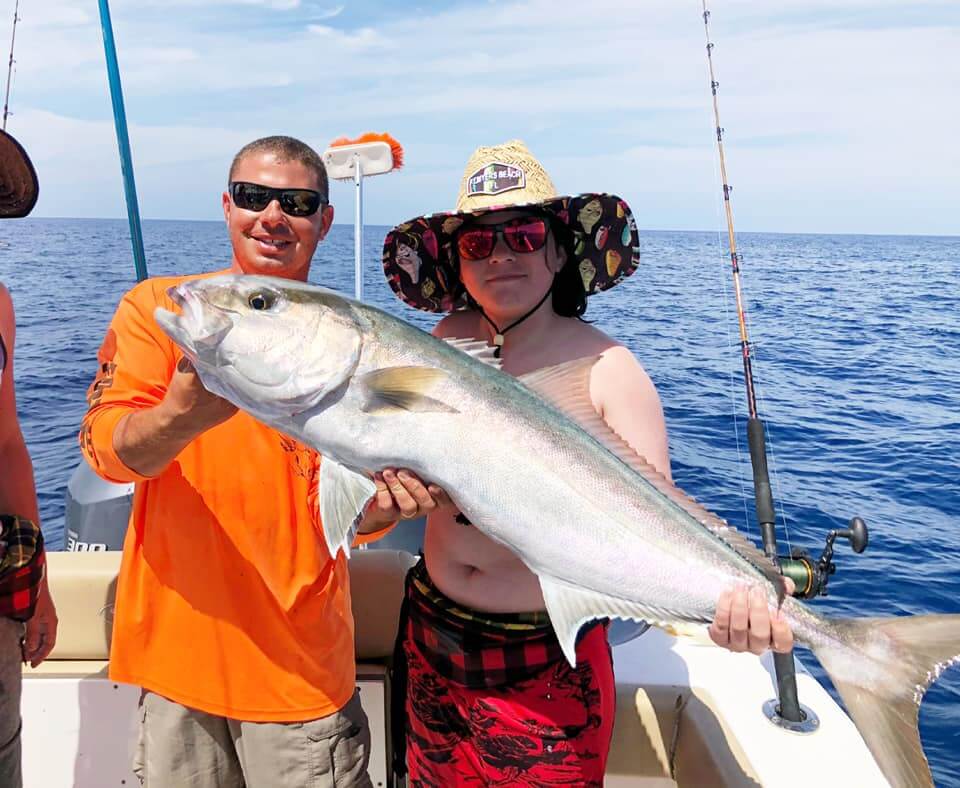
<point>97,512</point>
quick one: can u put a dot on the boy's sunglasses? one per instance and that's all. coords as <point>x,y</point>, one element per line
<point>294,202</point>
<point>523,235</point>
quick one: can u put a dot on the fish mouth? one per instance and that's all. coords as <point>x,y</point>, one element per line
<point>200,327</point>
<point>173,328</point>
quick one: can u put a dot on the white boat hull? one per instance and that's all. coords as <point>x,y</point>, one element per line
<point>688,713</point>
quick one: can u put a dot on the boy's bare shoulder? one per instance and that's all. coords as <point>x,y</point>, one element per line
<point>583,339</point>
<point>464,324</point>
<point>616,366</point>
<point>619,370</point>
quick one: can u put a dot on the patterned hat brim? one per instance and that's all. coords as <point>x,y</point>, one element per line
<point>18,180</point>
<point>420,264</point>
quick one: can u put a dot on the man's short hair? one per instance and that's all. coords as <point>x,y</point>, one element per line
<point>287,149</point>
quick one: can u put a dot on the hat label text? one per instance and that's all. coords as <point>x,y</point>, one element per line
<point>495,178</point>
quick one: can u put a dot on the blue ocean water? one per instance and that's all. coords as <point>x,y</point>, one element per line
<point>857,342</point>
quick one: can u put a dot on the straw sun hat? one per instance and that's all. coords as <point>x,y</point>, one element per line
<point>419,256</point>
<point>18,179</point>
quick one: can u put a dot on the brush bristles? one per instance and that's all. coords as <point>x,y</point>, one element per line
<point>396,149</point>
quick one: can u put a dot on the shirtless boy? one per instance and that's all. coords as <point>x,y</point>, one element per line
<point>490,699</point>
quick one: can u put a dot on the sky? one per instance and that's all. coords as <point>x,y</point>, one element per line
<point>840,116</point>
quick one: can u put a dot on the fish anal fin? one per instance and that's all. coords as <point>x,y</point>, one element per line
<point>570,608</point>
<point>395,389</point>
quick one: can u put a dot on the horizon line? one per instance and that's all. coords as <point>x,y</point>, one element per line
<point>721,231</point>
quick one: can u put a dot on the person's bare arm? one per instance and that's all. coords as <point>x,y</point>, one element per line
<point>18,492</point>
<point>626,398</point>
<point>147,441</point>
<point>146,402</point>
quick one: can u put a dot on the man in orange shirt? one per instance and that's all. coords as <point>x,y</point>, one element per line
<point>230,612</point>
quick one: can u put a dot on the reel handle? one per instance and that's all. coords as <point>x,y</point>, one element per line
<point>810,577</point>
<point>857,534</point>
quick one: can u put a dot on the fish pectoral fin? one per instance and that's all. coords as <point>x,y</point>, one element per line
<point>570,608</point>
<point>396,389</point>
<point>343,497</point>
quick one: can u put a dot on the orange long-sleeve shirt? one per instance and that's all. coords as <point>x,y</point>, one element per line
<point>227,599</point>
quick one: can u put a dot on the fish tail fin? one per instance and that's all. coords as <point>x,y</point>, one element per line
<point>881,667</point>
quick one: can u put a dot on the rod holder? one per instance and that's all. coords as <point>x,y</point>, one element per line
<point>809,722</point>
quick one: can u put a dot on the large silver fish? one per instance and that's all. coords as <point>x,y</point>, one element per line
<point>532,465</point>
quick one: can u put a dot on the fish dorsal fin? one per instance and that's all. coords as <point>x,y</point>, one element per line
<point>395,389</point>
<point>567,387</point>
<point>343,496</point>
<point>477,348</point>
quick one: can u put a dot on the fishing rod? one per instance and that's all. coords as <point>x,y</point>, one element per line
<point>123,141</point>
<point>810,577</point>
<point>13,38</point>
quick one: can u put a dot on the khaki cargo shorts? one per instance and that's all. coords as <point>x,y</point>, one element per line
<point>11,664</point>
<point>185,748</point>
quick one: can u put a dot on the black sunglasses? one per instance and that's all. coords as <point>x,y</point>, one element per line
<point>255,197</point>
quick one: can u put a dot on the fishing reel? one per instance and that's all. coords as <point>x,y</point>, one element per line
<point>810,577</point>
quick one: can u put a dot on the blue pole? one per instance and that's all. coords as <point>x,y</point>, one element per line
<point>123,141</point>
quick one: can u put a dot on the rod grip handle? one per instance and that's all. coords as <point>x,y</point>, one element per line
<point>756,439</point>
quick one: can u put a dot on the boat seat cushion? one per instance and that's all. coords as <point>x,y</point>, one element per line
<point>83,586</point>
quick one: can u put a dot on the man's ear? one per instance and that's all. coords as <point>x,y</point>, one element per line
<point>226,207</point>
<point>326,221</point>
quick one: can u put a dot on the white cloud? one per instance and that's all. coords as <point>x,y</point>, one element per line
<point>363,37</point>
<point>821,100</point>
<point>278,5</point>
<point>53,16</point>
<point>330,13</point>
<point>146,57</point>
<point>78,165</point>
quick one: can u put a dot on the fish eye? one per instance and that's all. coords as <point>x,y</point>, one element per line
<point>260,301</point>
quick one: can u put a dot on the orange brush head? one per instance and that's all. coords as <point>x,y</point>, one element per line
<point>396,149</point>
